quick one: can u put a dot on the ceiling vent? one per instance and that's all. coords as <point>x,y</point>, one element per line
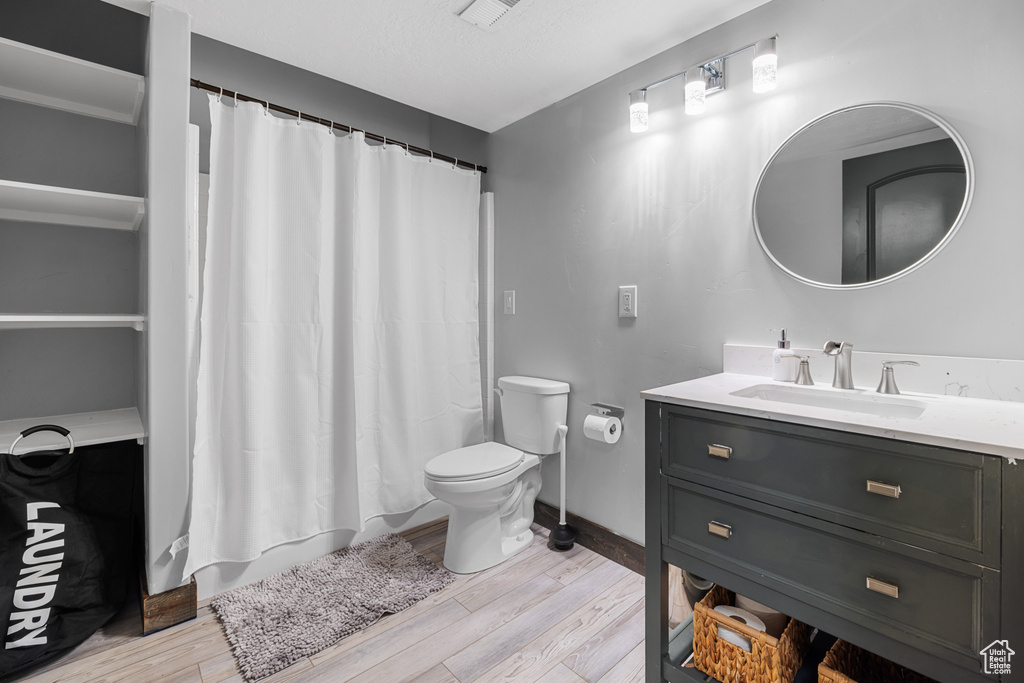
<point>486,13</point>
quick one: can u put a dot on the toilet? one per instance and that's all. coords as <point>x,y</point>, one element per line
<point>491,487</point>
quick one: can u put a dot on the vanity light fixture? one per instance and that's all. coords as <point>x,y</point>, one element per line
<point>708,78</point>
<point>638,111</point>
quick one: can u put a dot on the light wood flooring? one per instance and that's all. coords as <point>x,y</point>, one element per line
<point>541,617</point>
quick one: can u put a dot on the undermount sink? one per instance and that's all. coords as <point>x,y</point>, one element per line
<point>854,401</point>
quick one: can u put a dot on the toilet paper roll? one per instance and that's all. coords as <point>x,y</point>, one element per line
<point>742,616</point>
<point>602,428</point>
<point>774,620</point>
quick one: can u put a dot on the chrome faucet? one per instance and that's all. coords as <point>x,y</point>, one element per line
<point>843,352</point>
<point>888,383</point>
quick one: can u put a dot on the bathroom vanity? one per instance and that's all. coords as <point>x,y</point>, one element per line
<point>892,522</point>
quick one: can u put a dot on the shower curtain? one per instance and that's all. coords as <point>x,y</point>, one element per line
<point>339,346</point>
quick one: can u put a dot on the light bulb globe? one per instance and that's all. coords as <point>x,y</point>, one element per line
<point>638,111</point>
<point>695,91</point>
<point>765,66</point>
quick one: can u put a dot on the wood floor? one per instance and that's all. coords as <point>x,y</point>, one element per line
<point>541,617</point>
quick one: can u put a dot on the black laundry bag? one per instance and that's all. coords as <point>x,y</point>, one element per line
<point>65,547</point>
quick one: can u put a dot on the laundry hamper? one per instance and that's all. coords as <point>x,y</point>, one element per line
<point>846,663</point>
<point>770,660</point>
<point>66,522</point>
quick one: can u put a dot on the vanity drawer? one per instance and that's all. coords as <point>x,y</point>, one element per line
<point>941,499</point>
<point>934,603</point>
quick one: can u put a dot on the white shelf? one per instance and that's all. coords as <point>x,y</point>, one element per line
<point>86,429</point>
<point>20,321</point>
<point>64,206</point>
<point>30,74</point>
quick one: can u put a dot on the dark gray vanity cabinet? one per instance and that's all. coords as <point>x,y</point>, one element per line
<point>913,552</point>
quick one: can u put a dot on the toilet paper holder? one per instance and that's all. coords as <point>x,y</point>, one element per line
<point>608,410</point>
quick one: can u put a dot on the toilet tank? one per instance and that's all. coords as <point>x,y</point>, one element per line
<point>531,411</point>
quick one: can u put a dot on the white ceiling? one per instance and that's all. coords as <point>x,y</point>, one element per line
<point>421,53</point>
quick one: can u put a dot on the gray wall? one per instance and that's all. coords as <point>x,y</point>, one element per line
<point>583,206</point>
<point>86,29</point>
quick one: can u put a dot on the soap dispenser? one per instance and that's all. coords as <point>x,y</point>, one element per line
<point>784,364</point>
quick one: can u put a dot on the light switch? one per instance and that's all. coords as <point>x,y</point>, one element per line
<point>627,301</point>
<point>510,302</point>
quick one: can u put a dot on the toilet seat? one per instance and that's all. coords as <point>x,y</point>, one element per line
<point>473,462</point>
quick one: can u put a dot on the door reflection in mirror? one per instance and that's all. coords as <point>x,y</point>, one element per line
<point>897,206</point>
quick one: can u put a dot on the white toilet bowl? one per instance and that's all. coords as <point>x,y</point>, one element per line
<point>491,488</point>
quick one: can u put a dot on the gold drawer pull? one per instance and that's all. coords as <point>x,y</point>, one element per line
<point>890,589</point>
<point>719,451</point>
<point>890,490</point>
<point>719,529</point>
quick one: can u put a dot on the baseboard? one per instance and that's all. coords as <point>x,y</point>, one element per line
<point>594,537</point>
<point>166,609</point>
<point>422,529</point>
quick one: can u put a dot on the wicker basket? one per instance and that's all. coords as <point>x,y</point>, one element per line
<point>846,663</point>
<point>770,660</point>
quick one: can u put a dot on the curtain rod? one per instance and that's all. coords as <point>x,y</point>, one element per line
<point>196,83</point>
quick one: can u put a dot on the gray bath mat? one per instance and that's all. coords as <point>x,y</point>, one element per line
<point>300,611</point>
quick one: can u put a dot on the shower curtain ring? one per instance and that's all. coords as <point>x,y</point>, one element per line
<point>455,166</point>
<point>431,155</point>
<point>385,143</point>
<point>298,121</point>
<point>407,149</point>
<point>266,109</point>
<point>220,94</point>
<point>330,128</point>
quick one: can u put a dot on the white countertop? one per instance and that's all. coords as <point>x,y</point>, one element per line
<point>970,424</point>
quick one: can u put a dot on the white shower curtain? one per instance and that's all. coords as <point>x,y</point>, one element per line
<point>339,344</point>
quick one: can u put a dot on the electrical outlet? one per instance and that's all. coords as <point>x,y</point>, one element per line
<point>627,301</point>
<point>510,302</point>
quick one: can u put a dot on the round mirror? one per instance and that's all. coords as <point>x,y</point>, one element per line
<point>863,195</point>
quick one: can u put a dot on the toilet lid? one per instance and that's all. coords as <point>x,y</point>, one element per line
<point>473,462</point>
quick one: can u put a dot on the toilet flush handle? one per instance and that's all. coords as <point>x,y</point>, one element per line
<point>499,392</point>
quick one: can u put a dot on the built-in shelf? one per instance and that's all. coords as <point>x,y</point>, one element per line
<point>104,426</point>
<point>30,74</point>
<point>66,206</point>
<point>23,321</point>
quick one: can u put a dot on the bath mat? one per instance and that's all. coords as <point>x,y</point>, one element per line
<point>298,612</point>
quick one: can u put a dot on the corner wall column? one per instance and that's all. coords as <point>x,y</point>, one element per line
<point>163,385</point>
